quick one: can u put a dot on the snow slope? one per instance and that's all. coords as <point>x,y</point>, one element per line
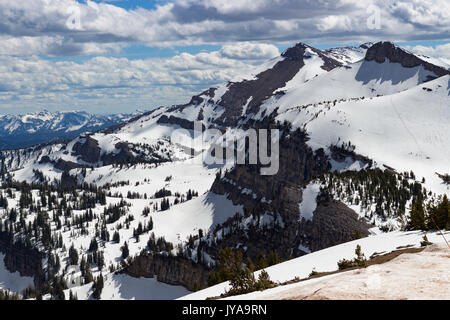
<point>311,69</point>
<point>376,106</point>
<point>349,54</point>
<point>186,219</point>
<point>360,79</point>
<point>175,225</point>
<point>410,276</point>
<point>408,130</point>
<point>326,259</point>
<point>309,203</point>
<point>125,287</point>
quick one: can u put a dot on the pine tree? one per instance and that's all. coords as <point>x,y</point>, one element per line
<point>250,264</point>
<point>443,213</point>
<point>125,250</point>
<point>98,287</point>
<point>360,259</point>
<point>264,281</point>
<point>93,246</point>
<point>273,258</point>
<point>242,281</point>
<point>116,237</point>
<point>73,255</point>
<point>261,262</point>
<point>88,277</point>
<point>417,217</point>
<point>72,296</point>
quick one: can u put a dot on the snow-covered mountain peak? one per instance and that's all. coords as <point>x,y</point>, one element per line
<point>296,52</point>
<point>382,51</point>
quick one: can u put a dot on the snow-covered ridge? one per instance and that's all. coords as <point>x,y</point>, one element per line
<point>349,54</point>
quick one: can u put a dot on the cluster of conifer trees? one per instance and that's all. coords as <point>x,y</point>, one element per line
<point>230,261</point>
<point>242,280</point>
<point>390,192</point>
<point>52,210</point>
<point>430,215</point>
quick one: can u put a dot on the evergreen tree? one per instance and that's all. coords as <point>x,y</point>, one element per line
<point>72,296</point>
<point>73,255</point>
<point>93,246</point>
<point>261,261</point>
<point>264,281</point>
<point>443,213</point>
<point>360,259</point>
<point>242,281</point>
<point>250,264</point>
<point>273,258</point>
<point>125,251</point>
<point>98,287</point>
<point>417,217</point>
<point>116,237</point>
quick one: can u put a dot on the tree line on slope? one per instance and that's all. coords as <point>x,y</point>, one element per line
<point>387,194</point>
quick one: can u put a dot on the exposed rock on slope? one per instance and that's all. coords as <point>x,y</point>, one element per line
<point>333,223</point>
<point>338,120</point>
<point>254,92</point>
<point>88,150</point>
<point>169,269</point>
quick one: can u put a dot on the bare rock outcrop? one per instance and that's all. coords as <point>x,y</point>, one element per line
<point>333,223</point>
<point>169,269</point>
<point>88,151</point>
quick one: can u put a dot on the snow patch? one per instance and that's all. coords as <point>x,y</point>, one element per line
<point>309,203</point>
<point>13,281</point>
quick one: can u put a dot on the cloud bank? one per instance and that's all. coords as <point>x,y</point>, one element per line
<point>108,84</point>
<point>32,31</point>
<point>70,27</point>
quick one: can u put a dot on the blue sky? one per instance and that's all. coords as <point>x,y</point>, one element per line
<point>132,4</point>
<point>118,56</point>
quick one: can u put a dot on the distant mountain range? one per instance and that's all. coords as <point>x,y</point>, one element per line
<point>20,131</point>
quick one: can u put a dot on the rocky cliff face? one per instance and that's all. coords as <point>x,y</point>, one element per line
<point>169,269</point>
<point>333,222</point>
<point>88,150</point>
<point>183,123</point>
